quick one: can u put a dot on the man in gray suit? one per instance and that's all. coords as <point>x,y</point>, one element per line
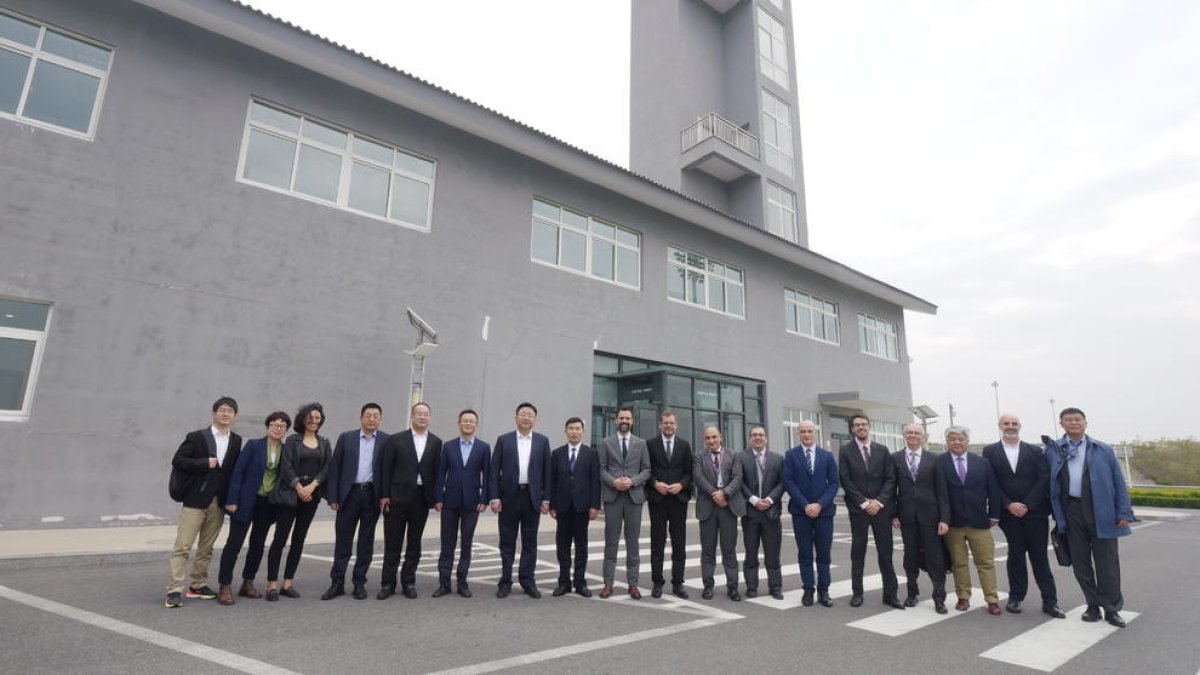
<point>624,470</point>
<point>762,486</point>
<point>717,474</point>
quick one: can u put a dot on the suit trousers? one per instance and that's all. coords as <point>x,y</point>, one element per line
<point>668,517</point>
<point>621,515</point>
<point>403,527</point>
<point>258,526</point>
<point>881,531</point>
<point>814,535</point>
<point>358,511</point>
<point>296,521</point>
<point>983,550</point>
<point>194,524</point>
<point>1028,536</point>
<point>1095,561</point>
<point>518,516</point>
<point>756,529</point>
<point>921,541</point>
<point>720,525</point>
<point>454,521</point>
<point>572,528</point>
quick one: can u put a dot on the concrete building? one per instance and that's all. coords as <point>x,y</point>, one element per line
<point>198,199</point>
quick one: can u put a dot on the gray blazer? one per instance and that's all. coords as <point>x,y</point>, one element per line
<point>705,480</point>
<point>772,483</point>
<point>636,465</point>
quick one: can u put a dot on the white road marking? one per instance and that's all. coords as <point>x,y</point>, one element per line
<point>1054,642</point>
<point>896,622</point>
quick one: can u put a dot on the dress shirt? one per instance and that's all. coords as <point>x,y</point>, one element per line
<point>1012,452</point>
<point>464,446</point>
<point>913,459</point>
<point>716,456</point>
<point>669,445</point>
<point>760,456</point>
<point>1075,471</point>
<point>222,444</point>
<point>524,450</point>
<point>419,443</point>
<point>366,458</point>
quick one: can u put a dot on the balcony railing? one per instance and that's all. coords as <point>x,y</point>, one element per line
<point>713,125</point>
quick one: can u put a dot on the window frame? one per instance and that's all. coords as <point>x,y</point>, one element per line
<point>772,47</point>
<point>774,204</point>
<point>794,304</point>
<point>590,238</point>
<point>772,121</point>
<point>792,417</point>
<point>38,337</point>
<point>890,434</point>
<point>870,325</point>
<point>673,264</point>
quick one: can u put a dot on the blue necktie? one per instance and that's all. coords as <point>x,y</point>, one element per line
<point>572,460</point>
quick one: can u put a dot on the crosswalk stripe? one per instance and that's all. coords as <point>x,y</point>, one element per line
<point>895,622</point>
<point>1054,642</point>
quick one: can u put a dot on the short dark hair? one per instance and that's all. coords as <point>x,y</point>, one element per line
<point>573,420</point>
<point>225,400</point>
<point>1071,411</point>
<point>666,412</point>
<point>859,416</point>
<point>527,404</point>
<point>368,406</point>
<point>278,415</point>
<point>303,413</point>
<point>625,408</point>
<point>413,409</point>
<point>467,411</point>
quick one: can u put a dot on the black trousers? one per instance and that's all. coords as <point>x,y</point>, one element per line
<point>922,542</point>
<point>358,511</point>
<point>403,525</point>
<point>1095,561</point>
<point>258,526</point>
<point>668,517</point>
<point>454,521</point>
<point>296,522</point>
<point>518,516</point>
<point>758,529</point>
<point>1028,537</point>
<point>572,528</point>
<point>880,527</point>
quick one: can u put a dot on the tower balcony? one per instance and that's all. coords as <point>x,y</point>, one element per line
<point>720,148</point>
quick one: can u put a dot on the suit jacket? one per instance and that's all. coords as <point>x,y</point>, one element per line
<point>705,480</point>
<point>805,487</point>
<point>399,468</point>
<point>861,483</point>
<point>1030,485</point>
<point>578,489</point>
<point>636,465</point>
<point>976,502</point>
<point>343,466</point>
<point>289,462</point>
<point>772,483</point>
<point>505,475</point>
<point>247,478</point>
<point>192,458</point>
<point>674,469</point>
<point>925,500</point>
<point>462,486</point>
<point>1105,487</point>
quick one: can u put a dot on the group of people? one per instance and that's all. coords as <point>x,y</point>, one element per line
<point>942,504</point>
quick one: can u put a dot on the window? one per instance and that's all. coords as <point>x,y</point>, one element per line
<point>571,240</point>
<point>811,316</point>
<point>777,134</point>
<point>294,153</point>
<point>22,338</point>
<point>890,434</point>
<point>50,78</point>
<point>706,282</point>
<point>778,4</point>
<point>772,49</point>
<point>792,417</point>
<point>781,213</point>
<point>877,338</point>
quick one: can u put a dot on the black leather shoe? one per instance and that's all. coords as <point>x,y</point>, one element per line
<point>503,591</point>
<point>360,592</point>
<point>561,590</point>
<point>532,591</point>
<point>583,591</point>
<point>1013,607</point>
<point>893,602</point>
<point>707,593</point>
<point>1114,619</point>
<point>777,594</point>
<point>333,591</point>
<point>856,600</point>
<point>807,599</point>
<point>385,592</point>
<point>464,590</point>
<point>679,591</point>
<point>441,590</point>
<point>289,592</point>
<point>824,600</point>
<point>910,601</point>
<point>1091,614</point>
<point>1053,610</point>
<point>751,592</point>
<point>940,607</point>
<point>410,592</point>
<point>656,591</point>
<point>734,595</point>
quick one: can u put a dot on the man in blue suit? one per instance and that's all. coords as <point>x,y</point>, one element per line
<point>1091,505</point>
<point>461,495</point>
<point>517,482</point>
<point>574,501</point>
<point>351,493</point>
<point>975,506</point>
<point>810,477</point>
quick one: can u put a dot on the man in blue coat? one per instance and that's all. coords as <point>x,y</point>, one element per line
<point>810,477</point>
<point>1091,505</point>
<point>461,495</point>
<point>517,482</point>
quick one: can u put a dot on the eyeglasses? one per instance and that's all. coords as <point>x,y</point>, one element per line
<point>277,425</point>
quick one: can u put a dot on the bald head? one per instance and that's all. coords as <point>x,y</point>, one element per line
<point>914,436</point>
<point>1010,428</point>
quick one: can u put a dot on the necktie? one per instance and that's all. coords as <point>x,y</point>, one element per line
<point>912,464</point>
<point>808,459</point>
<point>1073,449</point>
<point>668,449</point>
<point>962,468</point>
<point>572,460</point>
<point>624,449</point>
<point>758,459</point>
<point>716,462</point>
<point>866,451</point>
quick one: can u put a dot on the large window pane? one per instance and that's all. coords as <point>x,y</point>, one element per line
<point>410,200</point>
<point>675,282</point>
<point>545,242</point>
<point>716,295</point>
<point>574,250</point>
<point>548,211</point>
<point>275,118</point>
<point>706,395</point>
<point>627,267</point>
<point>695,289</point>
<point>269,159</point>
<point>369,189</point>
<point>679,391</point>
<point>324,134</point>
<point>318,173</point>
<point>13,69</point>
<point>415,165</point>
<point>737,301</point>
<point>602,259</point>
<point>731,398</point>
<point>604,392</point>
<point>23,315</point>
<point>373,151</point>
<point>76,50</point>
<point>61,96</point>
<point>16,361</point>
<point>14,29</point>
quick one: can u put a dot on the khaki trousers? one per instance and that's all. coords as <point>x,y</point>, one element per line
<point>202,524</point>
<point>983,550</point>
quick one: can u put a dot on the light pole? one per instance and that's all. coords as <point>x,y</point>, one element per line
<point>996,391</point>
<point>426,343</point>
<point>1053,419</point>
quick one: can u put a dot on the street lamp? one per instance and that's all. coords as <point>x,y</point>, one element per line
<point>924,413</point>
<point>1053,418</point>
<point>426,343</point>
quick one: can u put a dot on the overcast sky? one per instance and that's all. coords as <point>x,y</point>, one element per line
<point>1032,168</point>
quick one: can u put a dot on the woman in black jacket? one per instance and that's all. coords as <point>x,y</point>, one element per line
<point>302,469</point>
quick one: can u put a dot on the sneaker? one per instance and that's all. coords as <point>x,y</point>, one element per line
<point>202,593</point>
<point>174,600</point>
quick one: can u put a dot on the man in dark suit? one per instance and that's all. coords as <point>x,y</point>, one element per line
<point>762,486</point>
<point>1024,479</point>
<point>868,478</point>
<point>975,505</point>
<point>717,474</point>
<point>461,494</point>
<point>922,515</point>
<point>671,483</point>
<point>517,483</point>
<point>207,456</point>
<point>624,470</point>
<point>405,485</point>
<point>810,476</point>
<point>351,493</point>
<point>574,501</point>
<point>1092,508</point>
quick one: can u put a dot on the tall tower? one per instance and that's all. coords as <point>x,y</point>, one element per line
<point>713,107</point>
